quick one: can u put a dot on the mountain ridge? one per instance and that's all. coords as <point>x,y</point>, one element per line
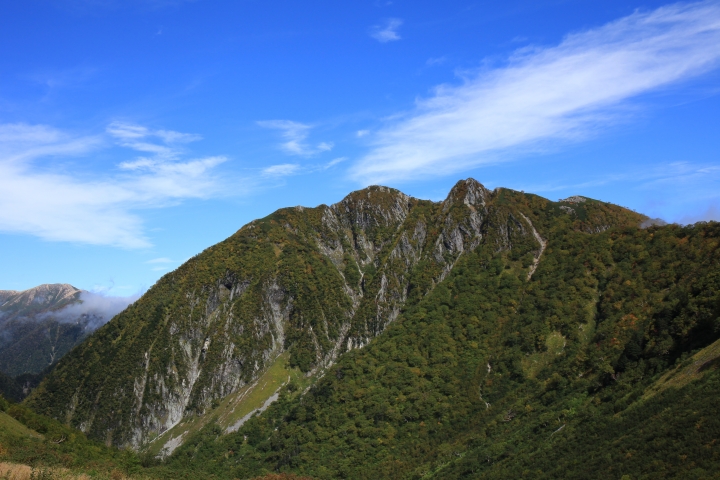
<point>45,297</point>
<point>313,282</point>
<point>41,324</point>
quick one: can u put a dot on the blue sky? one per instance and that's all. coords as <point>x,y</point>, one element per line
<point>136,133</point>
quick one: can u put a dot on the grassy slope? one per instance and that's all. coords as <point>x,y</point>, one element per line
<point>235,406</point>
<point>12,427</point>
<point>32,442</point>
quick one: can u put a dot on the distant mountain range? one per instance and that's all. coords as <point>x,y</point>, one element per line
<point>33,331</point>
<point>40,325</point>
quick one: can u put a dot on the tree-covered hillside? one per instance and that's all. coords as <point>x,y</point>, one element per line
<point>493,375</point>
<point>495,334</point>
<point>314,283</point>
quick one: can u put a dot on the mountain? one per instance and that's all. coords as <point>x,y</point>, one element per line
<point>31,337</point>
<point>43,298</point>
<point>595,357</point>
<point>603,364</point>
<point>282,299</point>
<point>40,325</point>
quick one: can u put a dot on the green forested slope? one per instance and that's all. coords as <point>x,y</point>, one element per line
<point>310,282</point>
<point>494,376</point>
<point>492,335</point>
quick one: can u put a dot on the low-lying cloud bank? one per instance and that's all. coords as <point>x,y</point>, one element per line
<point>93,308</point>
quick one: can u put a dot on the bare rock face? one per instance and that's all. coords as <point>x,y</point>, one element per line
<point>310,282</point>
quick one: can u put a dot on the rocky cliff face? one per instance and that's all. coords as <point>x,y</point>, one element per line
<point>312,282</point>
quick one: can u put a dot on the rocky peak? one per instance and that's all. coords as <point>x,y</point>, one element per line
<point>470,192</point>
<point>375,205</point>
<point>573,199</point>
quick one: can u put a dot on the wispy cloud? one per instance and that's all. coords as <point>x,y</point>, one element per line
<point>334,162</point>
<point>386,31</point>
<point>100,209</point>
<point>295,135</point>
<point>546,94</point>
<point>288,169</point>
<point>431,62</point>
<point>673,177</point>
<point>98,306</point>
<point>143,139</point>
<point>282,170</point>
<point>161,260</point>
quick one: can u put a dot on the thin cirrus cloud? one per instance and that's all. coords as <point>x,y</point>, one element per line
<point>282,170</point>
<point>59,205</point>
<point>161,260</point>
<point>288,169</point>
<point>387,31</point>
<point>557,93</point>
<point>674,179</point>
<point>295,135</point>
<point>160,264</point>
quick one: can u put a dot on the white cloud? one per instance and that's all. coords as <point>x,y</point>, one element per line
<point>19,133</point>
<point>431,62</point>
<point>387,31</point>
<point>325,146</point>
<point>138,137</point>
<point>160,260</point>
<point>21,142</point>
<point>287,169</point>
<point>334,162</point>
<point>546,94</point>
<point>100,307</point>
<point>675,177</point>
<point>58,205</point>
<point>295,134</point>
<point>282,170</point>
<point>362,133</point>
